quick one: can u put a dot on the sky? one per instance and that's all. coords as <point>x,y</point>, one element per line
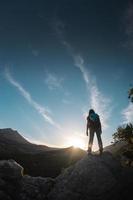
<point>58,59</point>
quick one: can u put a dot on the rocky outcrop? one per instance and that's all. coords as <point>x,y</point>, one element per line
<point>10,170</point>
<point>35,187</point>
<point>14,185</point>
<point>94,177</point>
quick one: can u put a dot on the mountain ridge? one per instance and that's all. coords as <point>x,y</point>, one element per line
<point>45,161</point>
<point>12,137</point>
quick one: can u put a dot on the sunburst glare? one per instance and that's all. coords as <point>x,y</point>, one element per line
<point>76,142</point>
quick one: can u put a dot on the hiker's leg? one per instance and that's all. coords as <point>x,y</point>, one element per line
<point>91,137</point>
<point>98,133</point>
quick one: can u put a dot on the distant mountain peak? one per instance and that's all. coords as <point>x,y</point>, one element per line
<point>12,141</point>
<point>6,130</point>
<point>12,135</point>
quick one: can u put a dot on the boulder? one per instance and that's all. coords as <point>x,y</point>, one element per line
<point>10,170</point>
<point>15,186</point>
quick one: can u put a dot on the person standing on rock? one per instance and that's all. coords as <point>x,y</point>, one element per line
<point>94,126</point>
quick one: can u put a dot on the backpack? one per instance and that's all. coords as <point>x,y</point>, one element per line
<point>93,121</point>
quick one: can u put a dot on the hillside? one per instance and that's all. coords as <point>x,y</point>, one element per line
<point>12,135</point>
<point>11,141</point>
<point>45,161</point>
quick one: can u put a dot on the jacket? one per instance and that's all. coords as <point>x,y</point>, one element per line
<point>93,122</point>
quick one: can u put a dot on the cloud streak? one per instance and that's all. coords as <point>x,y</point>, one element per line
<point>40,109</point>
<point>53,82</point>
<point>98,101</point>
<point>128,114</point>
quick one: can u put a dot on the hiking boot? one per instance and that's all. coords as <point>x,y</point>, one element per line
<point>89,151</point>
<point>100,151</point>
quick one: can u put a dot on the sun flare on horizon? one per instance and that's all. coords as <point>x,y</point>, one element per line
<point>77,142</point>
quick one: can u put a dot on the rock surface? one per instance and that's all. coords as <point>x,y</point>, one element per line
<point>10,170</point>
<point>14,185</point>
<point>94,177</point>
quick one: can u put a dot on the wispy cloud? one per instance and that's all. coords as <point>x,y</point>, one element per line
<point>98,101</point>
<point>53,81</point>
<point>40,109</point>
<point>128,114</point>
<point>102,104</point>
<point>79,62</point>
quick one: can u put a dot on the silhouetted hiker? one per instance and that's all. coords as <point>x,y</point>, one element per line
<point>94,126</point>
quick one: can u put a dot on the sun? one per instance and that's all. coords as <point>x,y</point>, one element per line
<point>77,143</point>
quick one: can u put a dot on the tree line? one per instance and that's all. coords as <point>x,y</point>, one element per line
<point>125,132</point>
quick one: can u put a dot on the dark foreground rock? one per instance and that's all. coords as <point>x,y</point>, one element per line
<point>14,186</point>
<point>92,178</point>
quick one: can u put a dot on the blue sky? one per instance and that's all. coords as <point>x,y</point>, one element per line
<point>58,59</point>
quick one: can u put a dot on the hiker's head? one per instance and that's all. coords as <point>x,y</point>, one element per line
<point>91,111</point>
